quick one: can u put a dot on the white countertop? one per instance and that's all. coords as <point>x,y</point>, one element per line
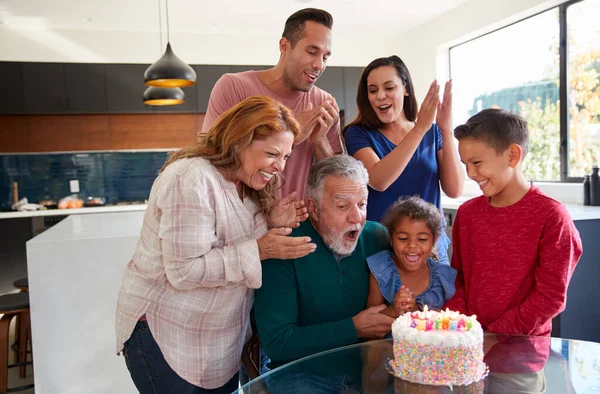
<point>578,212</point>
<point>73,211</point>
<point>108,225</point>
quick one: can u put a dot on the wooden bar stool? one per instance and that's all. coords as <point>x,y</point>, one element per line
<point>23,285</point>
<point>13,305</point>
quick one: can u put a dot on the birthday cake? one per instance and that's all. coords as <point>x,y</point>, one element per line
<point>438,348</point>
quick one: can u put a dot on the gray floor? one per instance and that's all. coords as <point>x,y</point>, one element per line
<point>13,267</point>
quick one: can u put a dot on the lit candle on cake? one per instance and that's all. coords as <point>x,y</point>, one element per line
<point>447,320</point>
<point>445,323</point>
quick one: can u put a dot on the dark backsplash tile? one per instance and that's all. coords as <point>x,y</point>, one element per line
<point>116,176</point>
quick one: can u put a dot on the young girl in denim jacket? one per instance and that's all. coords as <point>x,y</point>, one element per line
<point>410,277</point>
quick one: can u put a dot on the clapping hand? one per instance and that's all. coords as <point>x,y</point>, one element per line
<point>315,122</point>
<point>444,112</point>
<point>330,113</point>
<point>429,107</point>
<point>404,301</point>
<point>288,212</point>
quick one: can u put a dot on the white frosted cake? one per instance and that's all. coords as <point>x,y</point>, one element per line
<point>438,348</point>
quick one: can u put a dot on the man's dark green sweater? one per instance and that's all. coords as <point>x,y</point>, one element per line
<point>306,305</point>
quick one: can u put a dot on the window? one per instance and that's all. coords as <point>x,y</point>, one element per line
<point>583,95</point>
<point>522,67</point>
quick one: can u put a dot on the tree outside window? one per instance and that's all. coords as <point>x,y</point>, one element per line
<point>529,51</point>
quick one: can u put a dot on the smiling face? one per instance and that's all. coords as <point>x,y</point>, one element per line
<point>492,171</point>
<point>386,94</point>
<point>262,159</point>
<point>341,214</point>
<point>304,63</point>
<point>412,241</point>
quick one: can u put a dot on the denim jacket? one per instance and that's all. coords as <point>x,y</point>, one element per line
<point>441,280</point>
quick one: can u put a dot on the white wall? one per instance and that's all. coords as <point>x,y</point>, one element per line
<point>80,46</point>
<point>418,47</point>
<point>425,48</point>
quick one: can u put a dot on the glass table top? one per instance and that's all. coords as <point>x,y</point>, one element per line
<point>517,364</point>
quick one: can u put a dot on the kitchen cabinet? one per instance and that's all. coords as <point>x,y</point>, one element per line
<point>206,77</point>
<point>44,88</point>
<point>125,88</point>
<point>11,94</point>
<point>81,88</point>
<point>85,86</point>
<point>351,80</point>
<point>332,81</point>
<point>581,319</point>
<point>239,69</point>
<point>57,88</point>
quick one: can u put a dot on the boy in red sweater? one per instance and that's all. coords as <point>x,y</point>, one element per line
<point>514,248</point>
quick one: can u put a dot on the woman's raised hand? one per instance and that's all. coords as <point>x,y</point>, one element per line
<point>288,212</point>
<point>277,244</point>
<point>429,107</point>
<point>444,113</point>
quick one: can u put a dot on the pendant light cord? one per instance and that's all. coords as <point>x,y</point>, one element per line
<point>160,28</point>
<point>167,6</point>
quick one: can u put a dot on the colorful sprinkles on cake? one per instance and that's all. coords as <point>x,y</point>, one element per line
<point>443,361</point>
<point>460,366</point>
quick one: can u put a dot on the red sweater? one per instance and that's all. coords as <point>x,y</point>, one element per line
<point>514,263</point>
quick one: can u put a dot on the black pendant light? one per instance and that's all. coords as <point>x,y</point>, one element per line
<point>169,71</point>
<point>163,96</point>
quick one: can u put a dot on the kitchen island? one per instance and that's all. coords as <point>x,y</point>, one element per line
<point>75,270</point>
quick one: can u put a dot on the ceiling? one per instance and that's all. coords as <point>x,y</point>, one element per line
<point>367,20</point>
<point>380,18</point>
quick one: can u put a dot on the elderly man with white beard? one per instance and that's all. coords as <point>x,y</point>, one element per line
<point>318,302</point>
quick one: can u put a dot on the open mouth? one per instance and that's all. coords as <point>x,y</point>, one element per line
<point>265,175</point>
<point>312,77</point>
<point>352,235</point>
<point>412,257</point>
<point>483,183</point>
<point>384,108</point>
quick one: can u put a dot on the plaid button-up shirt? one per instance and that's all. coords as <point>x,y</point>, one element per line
<point>193,272</point>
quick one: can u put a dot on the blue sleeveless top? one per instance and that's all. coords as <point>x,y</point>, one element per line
<point>441,280</point>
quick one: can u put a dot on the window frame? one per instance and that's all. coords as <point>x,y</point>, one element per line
<point>562,84</point>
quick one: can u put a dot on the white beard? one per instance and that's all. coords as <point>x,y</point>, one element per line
<point>335,240</point>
